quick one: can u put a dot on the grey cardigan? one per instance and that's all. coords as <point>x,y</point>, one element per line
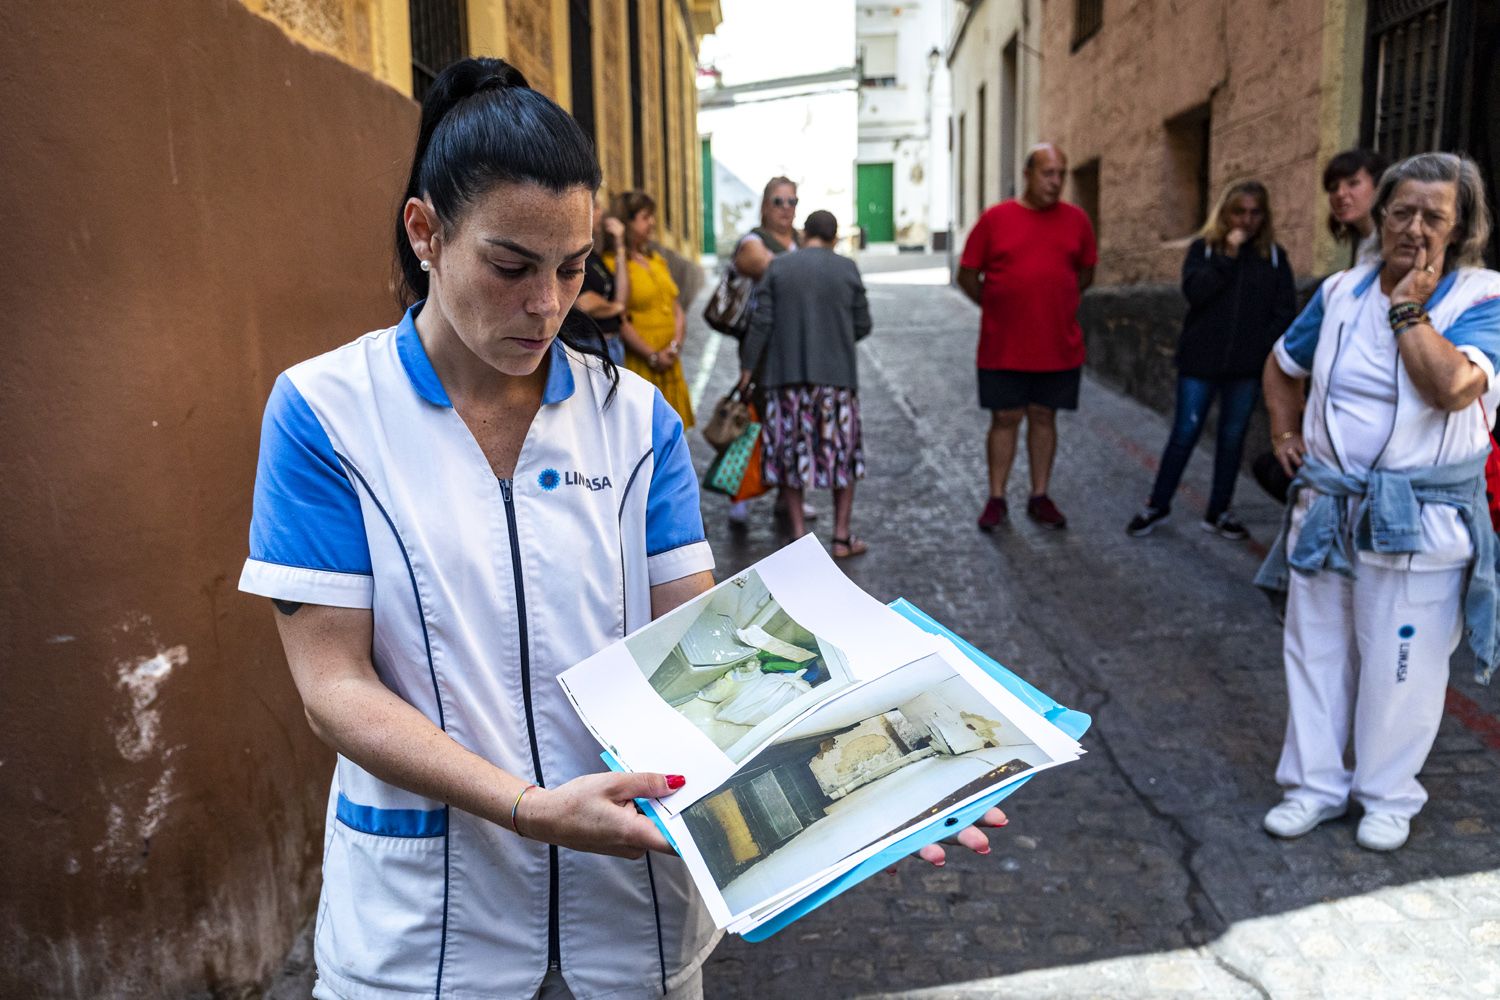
<point>810,308</point>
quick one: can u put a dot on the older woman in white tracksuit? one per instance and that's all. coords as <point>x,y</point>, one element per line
<point>1387,551</point>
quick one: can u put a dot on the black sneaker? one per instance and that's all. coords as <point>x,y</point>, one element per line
<point>1142,523</point>
<point>1226,527</point>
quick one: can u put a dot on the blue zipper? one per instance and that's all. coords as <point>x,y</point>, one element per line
<point>554,934</point>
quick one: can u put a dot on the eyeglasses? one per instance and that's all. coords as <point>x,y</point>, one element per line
<point>784,202</point>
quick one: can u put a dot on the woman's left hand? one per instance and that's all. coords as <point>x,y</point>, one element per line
<point>972,837</point>
<point>1421,281</point>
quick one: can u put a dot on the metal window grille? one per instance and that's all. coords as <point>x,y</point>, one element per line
<point>439,36</point>
<point>581,58</point>
<point>1409,40</point>
<point>1088,17</point>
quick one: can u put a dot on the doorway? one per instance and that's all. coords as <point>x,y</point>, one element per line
<point>875,191</point>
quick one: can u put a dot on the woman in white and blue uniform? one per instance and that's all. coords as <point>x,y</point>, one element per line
<point>447,514</point>
<point>1387,552</point>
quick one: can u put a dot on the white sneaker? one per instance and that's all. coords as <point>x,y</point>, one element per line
<point>809,513</point>
<point>739,513</point>
<point>1380,831</point>
<point>1294,817</point>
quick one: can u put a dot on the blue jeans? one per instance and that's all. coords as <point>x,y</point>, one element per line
<point>1194,397</point>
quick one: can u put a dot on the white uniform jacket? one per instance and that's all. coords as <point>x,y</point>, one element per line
<point>372,493</point>
<point>1336,326</point>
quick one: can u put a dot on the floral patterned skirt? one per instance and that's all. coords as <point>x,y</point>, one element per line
<point>810,437</point>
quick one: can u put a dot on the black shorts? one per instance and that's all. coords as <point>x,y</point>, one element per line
<point>1013,390</point>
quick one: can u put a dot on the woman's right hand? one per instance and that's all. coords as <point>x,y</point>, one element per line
<point>1289,450</point>
<point>1233,240</point>
<point>614,229</point>
<point>597,813</point>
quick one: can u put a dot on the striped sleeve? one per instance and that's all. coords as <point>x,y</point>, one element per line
<point>307,532</point>
<point>675,542</point>
<point>1295,349</point>
<point>1476,332</point>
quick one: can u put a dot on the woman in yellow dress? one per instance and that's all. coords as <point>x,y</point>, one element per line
<point>654,321</point>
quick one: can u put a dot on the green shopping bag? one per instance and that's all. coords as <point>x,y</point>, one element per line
<point>728,470</point>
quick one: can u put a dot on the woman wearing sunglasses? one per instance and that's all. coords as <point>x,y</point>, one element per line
<point>773,237</point>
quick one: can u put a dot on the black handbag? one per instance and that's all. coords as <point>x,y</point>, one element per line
<point>728,309</point>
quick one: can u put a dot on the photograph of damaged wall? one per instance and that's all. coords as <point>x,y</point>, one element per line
<point>874,761</point>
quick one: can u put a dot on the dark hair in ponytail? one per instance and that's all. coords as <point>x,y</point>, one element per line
<point>483,125</point>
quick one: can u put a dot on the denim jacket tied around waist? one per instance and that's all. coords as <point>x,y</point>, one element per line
<point>1388,520</point>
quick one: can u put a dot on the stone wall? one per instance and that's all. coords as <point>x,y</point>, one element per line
<point>1131,332</point>
<point>1139,94</point>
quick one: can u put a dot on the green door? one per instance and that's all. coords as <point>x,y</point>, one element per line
<point>875,193</point>
<point>710,244</point>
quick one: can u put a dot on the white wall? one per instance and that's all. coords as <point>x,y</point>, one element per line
<point>807,133</point>
<point>978,58</point>
<point>905,124</point>
<point>810,139</point>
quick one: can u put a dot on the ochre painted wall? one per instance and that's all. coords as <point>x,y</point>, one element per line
<point>372,35</point>
<point>1258,66</point>
<point>194,202</point>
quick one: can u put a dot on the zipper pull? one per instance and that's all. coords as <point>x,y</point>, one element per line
<point>505,490</point>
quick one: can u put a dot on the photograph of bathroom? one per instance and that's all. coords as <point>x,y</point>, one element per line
<point>877,760</point>
<point>739,668</point>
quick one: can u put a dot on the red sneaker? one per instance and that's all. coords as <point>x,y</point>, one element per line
<point>994,514</point>
<point>1044,512</point>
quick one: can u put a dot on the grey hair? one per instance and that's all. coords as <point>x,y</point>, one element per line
<point>1471,232</point>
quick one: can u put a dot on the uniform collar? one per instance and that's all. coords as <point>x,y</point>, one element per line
<point>1438,294</point>
<point>424,378</point>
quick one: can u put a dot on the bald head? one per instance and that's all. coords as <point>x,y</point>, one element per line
<point>1046,169</point>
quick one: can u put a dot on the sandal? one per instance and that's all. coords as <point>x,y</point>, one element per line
<point>851,547</point>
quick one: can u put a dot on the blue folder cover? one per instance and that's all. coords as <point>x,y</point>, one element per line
<point>1069,721</point>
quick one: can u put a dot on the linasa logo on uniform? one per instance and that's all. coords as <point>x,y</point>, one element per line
<point>1403,652</point>
<point>591,483</point>
<point>551,479</point>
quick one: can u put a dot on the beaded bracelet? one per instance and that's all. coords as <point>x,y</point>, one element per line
<point>1406,324</point>
<point>516,805</point>
<point>1406,314</point>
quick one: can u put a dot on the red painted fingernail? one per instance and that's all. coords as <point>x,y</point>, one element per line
<point>675,781</point>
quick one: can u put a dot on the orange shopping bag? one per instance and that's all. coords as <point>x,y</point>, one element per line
<point>752,484</point>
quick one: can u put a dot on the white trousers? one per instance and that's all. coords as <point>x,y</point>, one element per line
<point>1366,657</point>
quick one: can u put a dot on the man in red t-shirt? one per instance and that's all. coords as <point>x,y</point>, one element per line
<point>1026,264</point>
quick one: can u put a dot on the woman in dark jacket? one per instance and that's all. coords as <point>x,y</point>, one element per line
<point>1241,297</point>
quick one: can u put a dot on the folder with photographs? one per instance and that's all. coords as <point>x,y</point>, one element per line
<point>823,735</point>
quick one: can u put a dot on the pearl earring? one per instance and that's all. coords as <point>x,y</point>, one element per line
<point>427,265</point>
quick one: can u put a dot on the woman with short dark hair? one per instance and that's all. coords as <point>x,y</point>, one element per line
<point>1350,179</point>
<point>1387,537</point>
<point>810,311</point>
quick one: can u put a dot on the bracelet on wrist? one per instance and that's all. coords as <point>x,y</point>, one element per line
<point>1282,438</point>
<point>1404,315</point>
<point>514,823</point>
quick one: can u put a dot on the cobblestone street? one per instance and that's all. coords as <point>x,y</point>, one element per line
<point>1141,870</point>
